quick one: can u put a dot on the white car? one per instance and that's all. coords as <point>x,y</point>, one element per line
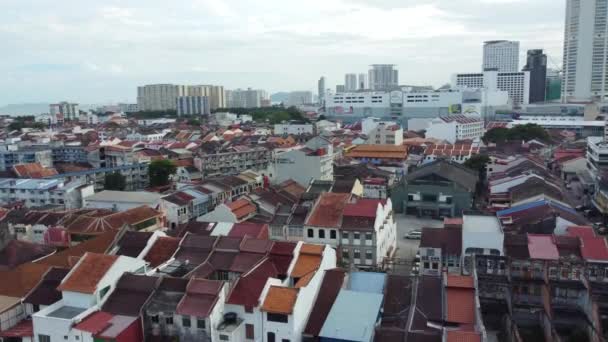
<point>414,235</point>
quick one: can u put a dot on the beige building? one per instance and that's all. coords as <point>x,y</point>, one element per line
<point>164,96</point>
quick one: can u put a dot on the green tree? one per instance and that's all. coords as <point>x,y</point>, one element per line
<point>115,181</point>
<point>496,135</point>
<point>518,133</point>
<point>477,162</point>
<point>159,172</point>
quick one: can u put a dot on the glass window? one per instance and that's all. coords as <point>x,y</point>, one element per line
<point>357,235</point>
<point>249,332</point>
<point>321,233</point>
<point>274,317</point>
<point>311,233</point>
<point>357,254</point>
<point>200,323</point>
<point>270,337</point>
<point>345,235</point>
<point>332,234</point>
<point>169,320</point>
<point>186,322</point>
<point>369,236</point>
<point>154,319</point>
<point>44,338</point>
<point>224,337</point>
<point>345,253</point>
<point>369,254</point>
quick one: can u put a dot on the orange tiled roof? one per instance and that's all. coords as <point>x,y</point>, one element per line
<point>22,279</point>
<point>308,248</point>
<point>460,305</point>
<point>305,280</point>
<point>460,281</point>
<point>328,210</point>
<point>378,151</point>
<point>463,336</point>
<point>33,170</point>
<point>162,250</point>
<point>280,300</point>
<point>242,208</point>
<point>88,273</point>
<point>305,264</point>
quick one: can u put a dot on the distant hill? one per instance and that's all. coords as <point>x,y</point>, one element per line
<point>279,97</point>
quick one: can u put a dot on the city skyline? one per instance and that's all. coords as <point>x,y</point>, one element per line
<point>102,52</point>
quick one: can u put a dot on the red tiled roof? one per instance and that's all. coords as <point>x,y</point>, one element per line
<point>542,247</point>
<point>328,292</point>
<point>248,288</point>
<point>162,250</point>
<point>457,221</point>
<point>200,298</point>
<point>462,336</point>
<point>24,328</point>
<point>328,210</point>
<point>33,170</point>
<point>594,248</point>
<point>254,230</point>
<point>460,305</point>
<point>363,208</point>
<point>581,231</point>
<point>95,322</point>
<point>91,269</point>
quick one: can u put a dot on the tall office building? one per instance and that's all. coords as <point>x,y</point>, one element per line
<point>554,85</point>
<point>501,55</point>
<point>159,97</point>
<point>383,77</point>
<point>321,89</point>
<point>63,111</point>
<point>193,105</point>
<point>339,88</point>
<point>585,76</point>
<point>362,83</point>
<point>350,82</point>
<point>537,66</point>
<point>245,98</point>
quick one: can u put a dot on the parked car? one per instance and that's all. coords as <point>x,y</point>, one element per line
<point>414,235</point>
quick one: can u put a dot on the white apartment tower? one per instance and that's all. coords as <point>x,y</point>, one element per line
<point>245,98</point>
<point>517,84</point>
<point>64,111</point>
<point>321,90</point>
<point>158,97</point>
<point>585,76</point>
<point>362,84</point>
<point>350,82</point>
<point>501,55</point>
<point>383,77</point>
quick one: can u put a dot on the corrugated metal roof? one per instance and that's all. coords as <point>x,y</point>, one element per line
<point>353,316</point>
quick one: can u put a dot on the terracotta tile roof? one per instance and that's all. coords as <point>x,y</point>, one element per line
<point>90,270</point>
<point>180,198</point>
<point>200,298</point>
<point>133,243</point>
<point>305,264</point>
<point>378,151</point>
<point>328,210</point>
<point>460,305</point>
<point>280,300</point>
<point>363,208</point>
<point>99,244</point>
<point>311,249</point>
<point>162,250</point>
<point>328,291</point>
<point>462,336</point>
<point>283,248</point>
<point>225,243</point>
<point>93,224</point>
<point>305,280</point>
<point>23,279</point>
<point>33,170</point>
<point>242,208</point>
<point>460,281</point>
<point>243,262</point>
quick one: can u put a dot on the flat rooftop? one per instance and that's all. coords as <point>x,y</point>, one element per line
<point>66,312</point>
<point>481,224</point>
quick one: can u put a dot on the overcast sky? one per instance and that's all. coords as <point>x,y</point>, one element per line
<point>99,51</point>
